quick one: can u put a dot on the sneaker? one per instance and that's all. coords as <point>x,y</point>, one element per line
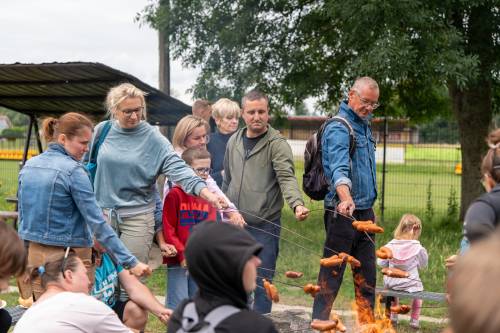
<point>394,319</point>
<point>414,324</point>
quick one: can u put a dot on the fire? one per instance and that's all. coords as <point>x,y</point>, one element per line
<point>368,321</point>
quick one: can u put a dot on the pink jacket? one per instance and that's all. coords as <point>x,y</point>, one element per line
<point>409,256</point>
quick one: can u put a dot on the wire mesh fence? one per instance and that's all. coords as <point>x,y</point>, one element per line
<point>421,172</point>
<point>422,168</point>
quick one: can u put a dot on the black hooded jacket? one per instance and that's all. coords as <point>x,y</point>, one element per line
<point>216,254</point>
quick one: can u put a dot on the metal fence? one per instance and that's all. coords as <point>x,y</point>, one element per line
<point>416,177</point>
<point>416,172</point>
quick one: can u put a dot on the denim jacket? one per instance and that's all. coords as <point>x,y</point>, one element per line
<point>360,173</point>
<point>57,206</point>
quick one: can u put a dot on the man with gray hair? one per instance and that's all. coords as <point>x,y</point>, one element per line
<point>348,157</point>
<point>258,173</point>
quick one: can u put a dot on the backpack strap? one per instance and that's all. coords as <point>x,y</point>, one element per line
<point>98,140</point>
<point>218,314</point>
<point>352,138</point>
<point>190,318</point>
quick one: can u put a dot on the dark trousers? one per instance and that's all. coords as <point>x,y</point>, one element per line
<point>342,237</point>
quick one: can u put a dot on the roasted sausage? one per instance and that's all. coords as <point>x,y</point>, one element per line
<point>371,228</point>
<point>395,272</point>
<point>384,253</point>
<point>311,289</point>
<point>350,259</point>
<point>331,261</point>
<point>271,291</point>
<point>400,309</point>
<point>340,326</point>
<point>293,275</point>
<point>356,223</point>
<point>323,325</point>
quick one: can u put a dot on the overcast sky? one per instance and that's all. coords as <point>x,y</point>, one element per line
<point>37,31</point>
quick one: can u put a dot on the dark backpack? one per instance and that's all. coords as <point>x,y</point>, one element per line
<point>314,182</point>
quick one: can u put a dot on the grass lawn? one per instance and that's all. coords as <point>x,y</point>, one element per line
<point>406,191</point>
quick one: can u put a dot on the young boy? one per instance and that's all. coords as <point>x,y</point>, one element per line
<point>133,312</point>
<point>181,212</point>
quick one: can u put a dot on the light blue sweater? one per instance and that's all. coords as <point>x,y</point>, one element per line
<point>130,160</point>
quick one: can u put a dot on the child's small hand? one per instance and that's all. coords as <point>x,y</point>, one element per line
<point>450,261</point>
<point>184,263</point>
<point>168,250</point>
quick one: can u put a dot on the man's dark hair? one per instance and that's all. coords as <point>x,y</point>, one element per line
<point>254,95</point>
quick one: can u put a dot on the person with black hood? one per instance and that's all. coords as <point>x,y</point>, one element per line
<point>222,259</point>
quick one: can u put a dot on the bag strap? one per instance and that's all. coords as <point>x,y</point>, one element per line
<point>218,314</point>
<point>100,139</point>
<point>190,318</point>
<point>343,121</point>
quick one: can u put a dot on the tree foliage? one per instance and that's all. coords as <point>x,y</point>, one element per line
<point>430,57</point>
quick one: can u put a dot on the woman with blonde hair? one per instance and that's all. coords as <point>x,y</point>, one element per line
<point>192,132</point>
<point>130,158</point>
<point>226,114</point>
<point>57,206</point>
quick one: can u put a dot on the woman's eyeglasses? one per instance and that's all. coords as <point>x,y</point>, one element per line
<point>137,111</point>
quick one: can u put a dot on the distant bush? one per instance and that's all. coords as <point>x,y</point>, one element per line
<point>13,133</point>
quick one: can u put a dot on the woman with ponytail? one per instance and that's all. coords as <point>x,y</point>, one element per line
<point>65,306</point>
<point>483,215</point>
<point>57,205</point>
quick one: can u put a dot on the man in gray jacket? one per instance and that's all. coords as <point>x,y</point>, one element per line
<point>258,173</point>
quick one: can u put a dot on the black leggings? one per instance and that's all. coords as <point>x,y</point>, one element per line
<point>5,321</point>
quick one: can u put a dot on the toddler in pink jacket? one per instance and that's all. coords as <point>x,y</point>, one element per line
<point>408,255</point>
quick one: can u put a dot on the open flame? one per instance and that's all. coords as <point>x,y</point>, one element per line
<point>368,321</point>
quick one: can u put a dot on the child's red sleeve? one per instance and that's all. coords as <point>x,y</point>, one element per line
<point>171,220</point>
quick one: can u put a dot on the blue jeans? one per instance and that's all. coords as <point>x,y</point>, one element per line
<point>268,256</point>
<point>180,286</point>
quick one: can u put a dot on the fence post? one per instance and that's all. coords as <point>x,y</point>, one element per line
<point>382,200</point>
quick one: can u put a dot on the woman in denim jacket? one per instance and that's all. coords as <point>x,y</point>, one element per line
<point>57,206</point>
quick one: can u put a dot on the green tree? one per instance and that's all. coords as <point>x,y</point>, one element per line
<point>430,57</point>
<point>17,119</point>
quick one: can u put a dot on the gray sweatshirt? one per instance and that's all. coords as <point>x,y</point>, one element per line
<point>128,163</point>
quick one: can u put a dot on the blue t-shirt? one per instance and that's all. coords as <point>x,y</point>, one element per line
<point>106,281</point>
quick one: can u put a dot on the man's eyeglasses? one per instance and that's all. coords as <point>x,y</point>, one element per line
<point>373,105</point>
<point>137,111</point>
<point>65,259</point>
<point>203,171</point>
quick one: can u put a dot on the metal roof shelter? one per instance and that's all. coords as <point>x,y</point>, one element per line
<point>51,89</point>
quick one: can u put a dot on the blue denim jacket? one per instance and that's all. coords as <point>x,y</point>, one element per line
<point>57,206</point>
<point>361,178</point>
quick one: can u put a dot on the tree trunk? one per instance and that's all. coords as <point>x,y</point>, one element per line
<point>164,62</point>
<point>472,107</point>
